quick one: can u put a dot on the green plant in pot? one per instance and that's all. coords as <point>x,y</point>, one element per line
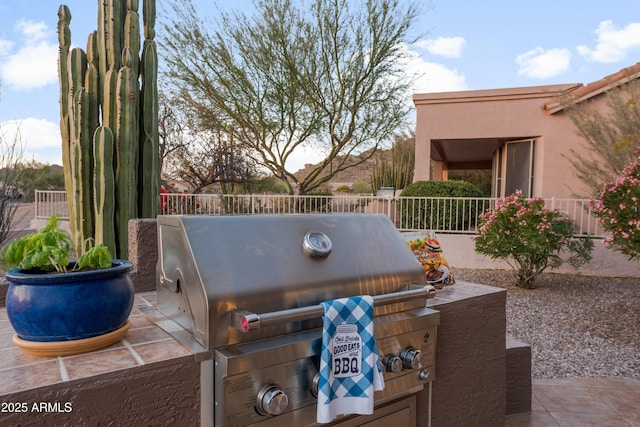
<point>58,307</point>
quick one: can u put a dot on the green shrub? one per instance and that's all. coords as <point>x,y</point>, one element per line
<point>433,213</point>
<point>317,202</point>
<point>361,187</point>
<point>530,238</point>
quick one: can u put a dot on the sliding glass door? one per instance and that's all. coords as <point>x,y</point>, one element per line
<point>513,168</point>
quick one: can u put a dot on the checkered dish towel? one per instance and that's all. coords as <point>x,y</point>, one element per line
<point>349,368</point>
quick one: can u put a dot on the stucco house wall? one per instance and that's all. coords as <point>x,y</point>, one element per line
<point>462,130</point>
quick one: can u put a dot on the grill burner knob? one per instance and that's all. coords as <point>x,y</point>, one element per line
<point>392,363</point>
<point>271,400</point>
<point>314,385</point>
<point>412,358</point>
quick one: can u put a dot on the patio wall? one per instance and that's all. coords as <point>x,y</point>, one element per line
<point>459,252</point>
<point>157,394</point>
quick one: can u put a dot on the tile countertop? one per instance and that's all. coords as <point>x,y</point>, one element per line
<point>143,344</point>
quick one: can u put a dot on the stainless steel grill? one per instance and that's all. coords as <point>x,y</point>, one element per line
<point>244,293</point>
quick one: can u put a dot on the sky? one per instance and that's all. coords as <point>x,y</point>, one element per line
<point>463,45</point>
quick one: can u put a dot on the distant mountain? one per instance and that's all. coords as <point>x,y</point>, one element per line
<point>361,172</point>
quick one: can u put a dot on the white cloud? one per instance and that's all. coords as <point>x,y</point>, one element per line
<point>33,31</point>
<point>431,76</point>
<point>40,138</point>
<point>35,64</point>
<point>542,64</point>
<point>450,47</point>
<point>48,156</point>
<point>613,43</point>
<point>5,47</point>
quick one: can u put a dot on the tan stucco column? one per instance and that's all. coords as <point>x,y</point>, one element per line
<point>423,160</point>
<point>438,171</point>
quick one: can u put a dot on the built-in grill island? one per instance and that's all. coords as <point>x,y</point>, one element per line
<point>244,293</point>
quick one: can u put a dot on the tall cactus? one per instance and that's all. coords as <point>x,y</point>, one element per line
<point>64,41</point>
<point>150,147</point>
<point>109,123</point>
<point>385,174</point>
<point>104,187</point>
<point>127,136</point>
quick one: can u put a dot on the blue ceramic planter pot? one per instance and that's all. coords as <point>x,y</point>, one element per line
<point>69,306</point>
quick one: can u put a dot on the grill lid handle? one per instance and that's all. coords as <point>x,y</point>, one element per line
<point>246,321</point>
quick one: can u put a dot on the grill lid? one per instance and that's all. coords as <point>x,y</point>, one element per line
<point>212,266</point>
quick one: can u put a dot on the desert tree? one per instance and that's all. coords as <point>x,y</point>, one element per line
<point>611,135</point>
<point>326,74</point>
<point>170,128</point>
<point>11,170</point>
<point>198,154</point>
<point>209,157</point>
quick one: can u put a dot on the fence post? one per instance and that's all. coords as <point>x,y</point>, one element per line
<point>37,202</point>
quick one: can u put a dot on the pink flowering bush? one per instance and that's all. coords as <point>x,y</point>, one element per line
<point>618,208</point>
<point>530,238</point>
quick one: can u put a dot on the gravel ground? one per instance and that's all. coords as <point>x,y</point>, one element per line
<point>577,326</point>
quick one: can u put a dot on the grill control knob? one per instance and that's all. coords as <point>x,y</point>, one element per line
<point>314,385</point>
<point>412,358</point>
<point>424,375</point>
<point>392,363</point>
<point>271,400</point>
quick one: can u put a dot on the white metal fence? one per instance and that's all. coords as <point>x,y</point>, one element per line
<point>438,214</point>
<point>50,203</point>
